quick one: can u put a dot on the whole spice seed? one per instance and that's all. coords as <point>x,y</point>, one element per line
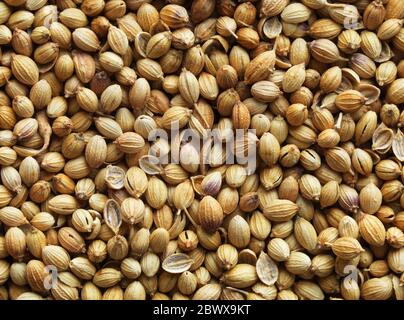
<point>92,182</point>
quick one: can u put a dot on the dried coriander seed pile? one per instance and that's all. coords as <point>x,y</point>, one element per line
<point>88,210</point>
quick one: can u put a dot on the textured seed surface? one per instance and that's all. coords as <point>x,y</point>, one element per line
<point>202,149</point>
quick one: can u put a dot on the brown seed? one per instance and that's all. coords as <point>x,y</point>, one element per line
<point>107,277</point>
<point>241,276</point>
<point>239,232</point>
<point>325,51</point>
<point>249,202</point>
<point>294,78</point>
<point>15,243</point>
<point>346,248</point>
<point>174,16</point>
<point>257,70</point>
<point>349,101</point>
<point>210,214</point>
<point>73,18</point>
<point>296,114</point>
<point>71,240</point>
<point>12,217</point>
<point>241,116</point>
<point>372,230</point>
<point>305,234</point>
<point>280,210</point>
<point>118,40</point>
<point>36,275</point>
<point>269,148</point>
<point>25,69</point>
<point>188,86</point>
<point>329,194</point>
<point>208,292</point>
<point>377,289</point>
<point>84,66</point>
